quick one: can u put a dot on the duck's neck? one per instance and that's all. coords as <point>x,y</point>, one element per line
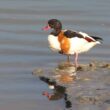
<point>56,32</point>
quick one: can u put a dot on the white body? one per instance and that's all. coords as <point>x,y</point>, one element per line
<point>54,43</point>
<point>77,45</point>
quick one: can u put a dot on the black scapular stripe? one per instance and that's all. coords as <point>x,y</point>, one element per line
<point>71,34</point>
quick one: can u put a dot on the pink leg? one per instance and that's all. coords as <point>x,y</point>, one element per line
<point>68,58</point>
<point>76,60</point>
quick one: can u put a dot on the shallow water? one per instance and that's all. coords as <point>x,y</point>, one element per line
<point>24,46</point>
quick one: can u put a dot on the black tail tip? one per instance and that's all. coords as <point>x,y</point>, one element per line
<point>97,38</point>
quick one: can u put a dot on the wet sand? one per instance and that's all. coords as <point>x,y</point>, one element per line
<point>87,88</point>
<point>24,47</point>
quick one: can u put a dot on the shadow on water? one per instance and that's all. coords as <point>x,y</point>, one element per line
<point>59,92</point>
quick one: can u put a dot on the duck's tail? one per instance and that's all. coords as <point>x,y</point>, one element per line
<point>98,39</point>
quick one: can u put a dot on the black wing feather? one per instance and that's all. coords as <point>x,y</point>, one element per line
<point>71,34</point>
<point>97,38</point>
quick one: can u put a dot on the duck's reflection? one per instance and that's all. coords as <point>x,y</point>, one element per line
<point>58,91</point>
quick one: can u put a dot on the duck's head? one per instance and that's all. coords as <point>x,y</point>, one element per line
<point>53,24</point>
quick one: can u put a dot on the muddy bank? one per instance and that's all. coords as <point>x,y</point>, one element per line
<point>88,88</point>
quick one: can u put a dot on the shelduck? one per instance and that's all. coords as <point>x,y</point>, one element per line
<point>69,42</point>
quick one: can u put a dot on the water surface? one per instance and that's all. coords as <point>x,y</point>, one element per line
<point>24,46</point>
